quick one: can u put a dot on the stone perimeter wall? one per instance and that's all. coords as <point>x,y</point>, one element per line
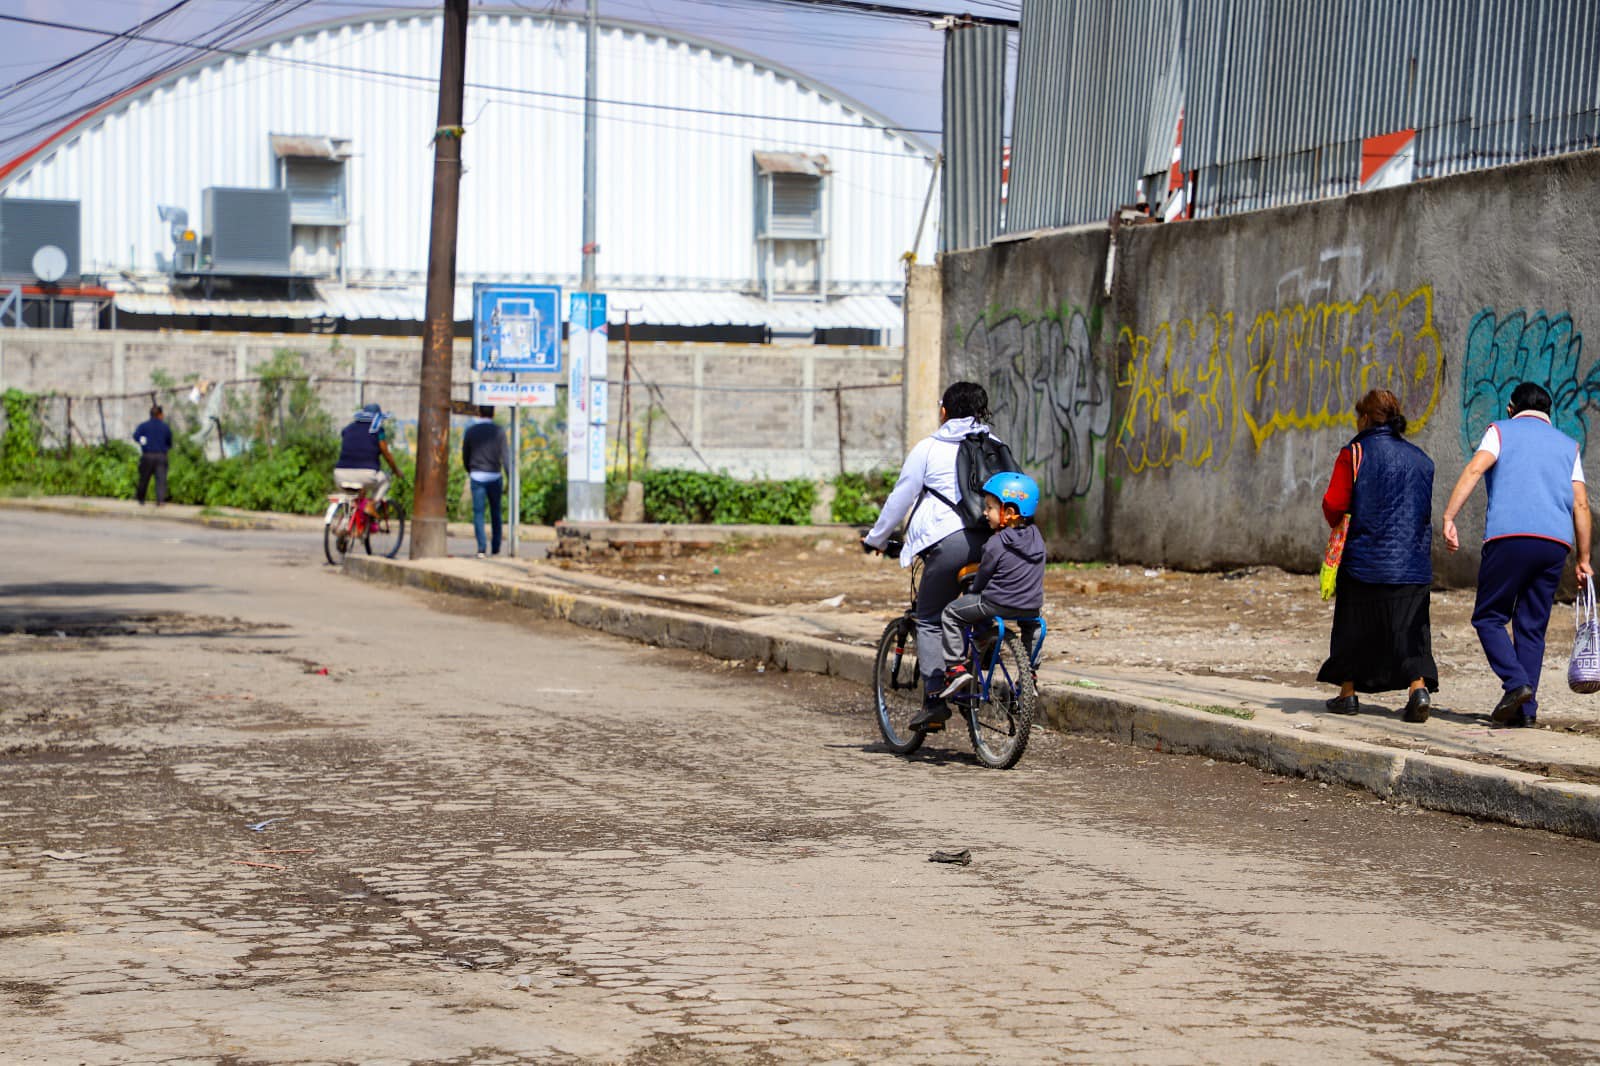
<point>1191,418</point>
<point>756,411</point>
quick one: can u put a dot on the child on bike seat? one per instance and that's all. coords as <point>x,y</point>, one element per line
<point>1010,578</point>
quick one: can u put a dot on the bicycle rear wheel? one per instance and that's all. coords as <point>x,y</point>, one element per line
<point>336,531</point>
<point>1000,724</point>
<point>897,686</point>
<point>386,529</point>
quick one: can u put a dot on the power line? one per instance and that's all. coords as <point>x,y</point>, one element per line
<point>229,30</point>
<point>23,83</point>
<point>868,7</point>
<point>400,76</point>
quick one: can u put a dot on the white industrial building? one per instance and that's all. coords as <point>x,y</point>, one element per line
<point>732,192</point>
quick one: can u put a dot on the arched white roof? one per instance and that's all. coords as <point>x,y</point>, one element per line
<point>680,120</point>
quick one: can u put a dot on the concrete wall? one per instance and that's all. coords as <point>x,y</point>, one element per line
<point>1191,418</point>
<point>750,409</point>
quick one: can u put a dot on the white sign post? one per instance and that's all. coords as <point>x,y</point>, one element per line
<point>586,407</point>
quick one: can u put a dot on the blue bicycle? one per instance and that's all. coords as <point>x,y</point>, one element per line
<point>999,710</point>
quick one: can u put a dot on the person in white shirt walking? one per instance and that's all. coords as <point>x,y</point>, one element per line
<point>1538,514</point>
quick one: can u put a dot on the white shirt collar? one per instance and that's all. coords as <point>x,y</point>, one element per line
<point>1540,415</point>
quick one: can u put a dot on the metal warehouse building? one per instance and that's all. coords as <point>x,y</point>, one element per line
<point>732,193</point>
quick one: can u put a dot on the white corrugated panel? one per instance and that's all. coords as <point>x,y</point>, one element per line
<point>647,307</point>
<point>676,187</point>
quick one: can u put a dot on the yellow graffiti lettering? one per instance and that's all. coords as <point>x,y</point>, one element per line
<point>1178,405</point>
<point>1305,366</point>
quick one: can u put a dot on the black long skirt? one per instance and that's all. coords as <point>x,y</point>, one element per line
<point>1382,639</point>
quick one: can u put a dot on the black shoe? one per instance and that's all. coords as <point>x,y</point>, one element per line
<point>1343,704</point>
<point>1417,706</point>
<point>932,717</point>
<point>1508,711</point>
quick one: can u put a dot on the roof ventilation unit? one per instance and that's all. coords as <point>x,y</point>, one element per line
<point>246,232</point>
<point>39,240</point>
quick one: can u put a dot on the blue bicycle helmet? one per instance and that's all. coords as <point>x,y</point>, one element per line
<point>1019,490</point>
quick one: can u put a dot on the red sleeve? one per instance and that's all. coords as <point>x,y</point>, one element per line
<point>1336,501</point>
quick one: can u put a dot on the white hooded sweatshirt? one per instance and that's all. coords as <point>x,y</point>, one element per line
<point>932,464</point>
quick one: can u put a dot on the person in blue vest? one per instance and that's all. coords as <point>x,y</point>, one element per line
<point>363,447</point>
<point>1538,513</point>
<point>1382,636</point>
<point>155,441</point>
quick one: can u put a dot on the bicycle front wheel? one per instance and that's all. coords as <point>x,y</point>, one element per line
<point>1000,724</point>
<point>336,532</point>
<point>897,686</point>
<point>386,529</point>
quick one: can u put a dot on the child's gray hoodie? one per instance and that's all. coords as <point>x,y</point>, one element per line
<point>1011,572</point>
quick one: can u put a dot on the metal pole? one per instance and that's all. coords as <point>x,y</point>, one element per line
<point>586,500</point>
<point>627,373</point>
<point>590,43</point>
<point>515,464</point>
<point>428,537</point>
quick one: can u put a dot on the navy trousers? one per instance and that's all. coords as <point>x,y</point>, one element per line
<point>1517,580</point>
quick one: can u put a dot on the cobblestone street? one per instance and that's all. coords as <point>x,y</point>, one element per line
<point>254,811</point>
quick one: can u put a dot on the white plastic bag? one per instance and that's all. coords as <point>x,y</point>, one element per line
<point>1583,672</point>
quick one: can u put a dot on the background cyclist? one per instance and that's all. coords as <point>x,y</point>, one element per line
<point>935,531</point>
<point>361,445</point>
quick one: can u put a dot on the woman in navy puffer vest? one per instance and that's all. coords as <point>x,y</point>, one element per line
<point>1382,639</point>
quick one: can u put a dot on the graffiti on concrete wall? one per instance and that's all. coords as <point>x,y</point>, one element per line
<point>1191,384</point>
<point>1503,352</point>
<point>1180,405</point>
<point>1048,399</point>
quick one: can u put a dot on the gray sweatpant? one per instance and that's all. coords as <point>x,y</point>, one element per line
<point>970,610</point>
<point>940,564</point>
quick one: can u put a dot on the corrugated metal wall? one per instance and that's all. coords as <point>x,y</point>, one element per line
<point>1278,98</point>
<point>974,126</point>
<point>676,187</point>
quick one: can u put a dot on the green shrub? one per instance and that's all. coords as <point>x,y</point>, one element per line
<point>690,496</point>
<point>544,490</point>
<point>19,448</point>
<point>857,498</point>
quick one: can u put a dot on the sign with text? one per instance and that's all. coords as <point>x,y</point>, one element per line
<point>516,328</point>
<point>515,393</point>
<point>586,393</point>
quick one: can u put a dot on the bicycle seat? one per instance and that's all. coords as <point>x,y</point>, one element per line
<point>965,575</point>
<point>352,486</point>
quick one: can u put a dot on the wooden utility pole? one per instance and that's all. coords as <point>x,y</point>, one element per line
<point>438,330</point>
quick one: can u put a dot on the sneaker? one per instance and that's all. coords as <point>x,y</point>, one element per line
<point>480,555</point>
<point>956,678</point>
<point>933,715</point>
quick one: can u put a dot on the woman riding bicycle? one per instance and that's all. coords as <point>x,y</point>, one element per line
<point>934,530</point>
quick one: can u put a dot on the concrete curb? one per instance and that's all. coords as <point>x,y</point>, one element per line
<point>1455,786</point>
<point>271,521</point>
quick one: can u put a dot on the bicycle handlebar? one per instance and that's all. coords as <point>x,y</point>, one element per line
<point>891,548</point>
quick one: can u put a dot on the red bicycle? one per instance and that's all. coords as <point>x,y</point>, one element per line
<point>353,518</point>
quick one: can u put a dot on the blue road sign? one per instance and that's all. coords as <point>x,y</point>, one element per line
<point>516,328</point>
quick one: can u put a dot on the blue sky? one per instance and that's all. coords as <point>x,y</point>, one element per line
<point>892,66</point>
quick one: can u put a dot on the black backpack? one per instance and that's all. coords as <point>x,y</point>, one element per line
<point>979,457</point>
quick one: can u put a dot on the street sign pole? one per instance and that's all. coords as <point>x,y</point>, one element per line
<point>515,463</point>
